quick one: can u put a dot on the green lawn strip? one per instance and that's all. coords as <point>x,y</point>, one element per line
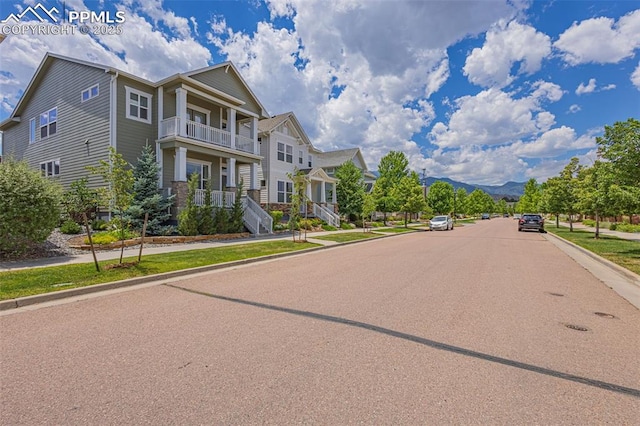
<point>625,253</point>
<point>348,236</point>
<point>465,221</point>
<point>396,229</point>
<point>44,280</point>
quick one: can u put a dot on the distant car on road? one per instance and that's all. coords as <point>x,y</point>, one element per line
<point>517,216</point>
<point>441,223</point>
<point>531,221</point>
<point>486,216</point>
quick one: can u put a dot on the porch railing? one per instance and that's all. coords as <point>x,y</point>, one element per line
<point>200,132</point>
<point>256,216</point>
<point>325,214</point>
<point>218,198</point>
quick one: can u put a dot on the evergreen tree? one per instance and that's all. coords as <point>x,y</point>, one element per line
<point>237,211</point>
<point>146,197</point>
<point>206,225</point>
<point>188,217</point>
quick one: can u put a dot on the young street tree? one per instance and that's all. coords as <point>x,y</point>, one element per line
<point>528,203</point>
<point>460,202</point>
<point>392,168</point>
<point>350,190</point>
<point>440,197</point>
<point>594,194</point>
<point>410,194</point>
<point>118,193</point>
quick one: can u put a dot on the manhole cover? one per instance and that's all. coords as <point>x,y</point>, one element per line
<point>604,315</point>
<point>556,294</point>
<point>576,327</point>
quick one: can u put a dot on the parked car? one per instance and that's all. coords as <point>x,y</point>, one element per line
<point>441,223</point>
<point>486,216</point>
<point>517,216</point>
<point>531,221</point>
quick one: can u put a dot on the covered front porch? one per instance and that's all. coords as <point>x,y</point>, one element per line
<point>321,193</point>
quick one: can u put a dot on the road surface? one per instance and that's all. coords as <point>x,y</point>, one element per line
<point>480,325</point>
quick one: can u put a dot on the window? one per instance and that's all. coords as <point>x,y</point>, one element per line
<point>285,152</point>
<point>48,123</point>
<point>138,105</point>
<point>32,130</point>
<point>91,92</point>
<point>289,154</point>
<point>202,169</point>
<point>310,160</point>
<point>285,189</point>
<point>50,168</point>
<point>300,156</point>
<point>263,183</point>
<point>280,151</point>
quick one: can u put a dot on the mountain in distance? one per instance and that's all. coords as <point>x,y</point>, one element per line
<point>508,190</point>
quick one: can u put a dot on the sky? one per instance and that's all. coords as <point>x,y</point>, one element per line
<point>482,92</point>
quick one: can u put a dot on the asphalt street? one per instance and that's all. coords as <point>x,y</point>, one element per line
<point>480,325</point>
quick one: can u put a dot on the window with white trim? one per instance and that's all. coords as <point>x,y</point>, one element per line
<point>289,154</point>
<point>285,189</point>
<point>310,160</point>
<point>300,156</point>
<point>280,151</point>
<point>50,168</point>
<point>32,130</point>
<point>89,93</point>
<point>48,123</point>
<point>202,169</point>
<point>138,105</point>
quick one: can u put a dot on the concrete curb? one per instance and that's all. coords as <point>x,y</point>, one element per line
<point>630,275</point>
<point>63,294</point>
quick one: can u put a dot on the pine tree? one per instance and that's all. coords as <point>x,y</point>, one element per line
<point>146,198</point>
<point>237,211</point>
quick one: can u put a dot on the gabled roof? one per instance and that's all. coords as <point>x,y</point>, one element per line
<point>50,57</point>
<point>319,173</point>
<point>339,157</point>
<point>270,124</point>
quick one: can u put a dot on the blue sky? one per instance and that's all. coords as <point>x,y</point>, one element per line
<point>478,91</point>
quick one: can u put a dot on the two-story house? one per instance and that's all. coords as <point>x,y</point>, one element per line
<point>203,121</point>
<point>286,149</point>
<point>331,160</point>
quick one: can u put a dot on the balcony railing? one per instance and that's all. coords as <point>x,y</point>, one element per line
<point>200,132</point>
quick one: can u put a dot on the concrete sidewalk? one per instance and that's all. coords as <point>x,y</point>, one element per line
<point>604,231</point>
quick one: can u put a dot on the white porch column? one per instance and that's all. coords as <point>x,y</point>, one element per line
<point>180,169</point>
<point>333,193</point>
<point>231,173</point>
<point>309,192</point>
<point>160,112</point>
<point>159,161</point>
<point>181,110</point>
<point>231,126</point>
<point>323,193</point>
<point>254,135</point>
<point>253,176</point>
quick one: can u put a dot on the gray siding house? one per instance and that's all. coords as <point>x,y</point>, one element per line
<point>204,121</point>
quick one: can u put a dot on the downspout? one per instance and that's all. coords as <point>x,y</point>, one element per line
<point>113,114</point>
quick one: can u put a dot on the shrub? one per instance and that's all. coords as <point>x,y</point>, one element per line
<point>276,215</point>
<point>305,224</point>
<point>588,222</point>
<point>613,226</point>
<point>108,237</point>
<point>627,227</point>
<point>70,227</point>
<point>98,225</point>
<point>329,228</point>
<point>188,217</point>
<point>346,225</point>
<point>29,206</point>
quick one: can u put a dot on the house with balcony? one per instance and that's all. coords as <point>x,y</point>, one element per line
<point>329,161</point>
<point>203,121</point>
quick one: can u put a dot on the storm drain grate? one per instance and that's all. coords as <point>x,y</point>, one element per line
<point>576,327</point>
<point>604,315</point>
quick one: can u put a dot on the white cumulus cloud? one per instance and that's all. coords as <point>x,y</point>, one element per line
<point>600,40</point>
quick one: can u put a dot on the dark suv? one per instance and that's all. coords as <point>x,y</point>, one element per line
<point>531,221</point>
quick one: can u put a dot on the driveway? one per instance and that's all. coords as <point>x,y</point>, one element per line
<point>481,325</point>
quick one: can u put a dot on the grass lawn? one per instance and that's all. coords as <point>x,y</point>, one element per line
<point>347,237</point>
<point>397,229</point>
<point>44,280</point>
<point>625,253</point>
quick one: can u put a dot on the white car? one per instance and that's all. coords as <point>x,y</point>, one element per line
<point>441,223</point>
